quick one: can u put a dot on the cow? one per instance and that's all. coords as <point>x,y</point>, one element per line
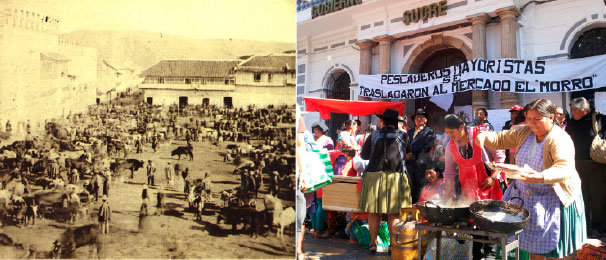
<point>182,150</point>
<point>81,164</point>
<point>131,164</point>
<point>73,238</point>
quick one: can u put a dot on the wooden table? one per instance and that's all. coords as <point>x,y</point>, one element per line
<point>459,232</point>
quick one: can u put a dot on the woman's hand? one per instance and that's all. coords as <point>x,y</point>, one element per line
<point>531,176</point>
<point>488,182</point>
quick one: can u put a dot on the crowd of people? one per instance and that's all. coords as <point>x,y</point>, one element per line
<point>407,164</point>
<point>82,155</point>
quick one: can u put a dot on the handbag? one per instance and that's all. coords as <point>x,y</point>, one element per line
<point>317,170</point>
<point>597,152</point>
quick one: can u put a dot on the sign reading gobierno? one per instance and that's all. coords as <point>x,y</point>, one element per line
<point>503,75</point>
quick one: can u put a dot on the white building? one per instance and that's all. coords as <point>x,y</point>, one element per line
<point>339,40</point>
<point>260,80</point>
<point>41,77</point>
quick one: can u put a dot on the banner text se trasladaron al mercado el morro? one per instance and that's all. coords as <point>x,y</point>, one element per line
<point>503,75</point>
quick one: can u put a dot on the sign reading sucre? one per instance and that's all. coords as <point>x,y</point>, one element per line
<point>425,12</point>
<point>332,6</point>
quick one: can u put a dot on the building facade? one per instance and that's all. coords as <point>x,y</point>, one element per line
<point>339,40</point>
<point>41,76</point>
<point>261,80</point>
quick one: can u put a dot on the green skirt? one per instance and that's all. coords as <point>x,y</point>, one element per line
<point>573,230</point>
<point>385,192</point>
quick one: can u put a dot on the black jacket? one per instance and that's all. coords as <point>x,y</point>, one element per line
<point>423,142</point>
<point>374,149</point>
<point>582,134</point>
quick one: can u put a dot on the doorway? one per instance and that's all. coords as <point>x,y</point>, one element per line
<point>438,60</point>
<point>150,101</point>
<point>337,87</point>
<point>590,43</point>
<point>227,102</point>
<point>98,101</point>
<point>205,102</point>
<point>182,101</point>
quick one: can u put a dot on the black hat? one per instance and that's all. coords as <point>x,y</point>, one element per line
<point>402,119</point>
<point>420,111</point>
<point>389,114</point>
<point>320,125</point>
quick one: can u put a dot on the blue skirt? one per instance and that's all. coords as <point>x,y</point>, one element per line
<point>573,231</point>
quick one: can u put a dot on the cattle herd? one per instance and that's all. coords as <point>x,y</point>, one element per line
<point>61,174</point>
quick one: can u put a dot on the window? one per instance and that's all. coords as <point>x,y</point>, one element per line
<point>150,101</point>
<point>226,81</point>
<point>257,77</point>
<point>269,77</point>
<point>187,81</point>
<point>160,80</point>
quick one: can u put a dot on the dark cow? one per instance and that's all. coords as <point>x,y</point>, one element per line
<point>129,164</point>
<point>73,238</point>
<point>81,164</point>
<point>182,150</point>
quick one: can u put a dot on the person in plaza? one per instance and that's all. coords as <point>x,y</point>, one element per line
<point>347,139</point>
<point>482,119</point>
<point>550,186</point>
<point>151,171</point>
<point>562,117</point>
<point>300,202</point>
<point>168,174</point>
<point>513,113</point>
<point>592,174</point>
<point>104,215</point>
<point>402,123</point>
<point>434,190</point>
<point>184,175</point>
<point>319,130</point>
<point>106,180</point>
<point>421,141</point>
<point>467,161</point>
<point>385,185</point>
<point>362,138</point>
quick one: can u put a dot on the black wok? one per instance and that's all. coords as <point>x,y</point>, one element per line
<point>432,212</point>
<point>495,206</point>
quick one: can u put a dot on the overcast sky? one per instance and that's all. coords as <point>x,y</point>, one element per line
<point>265,20</point>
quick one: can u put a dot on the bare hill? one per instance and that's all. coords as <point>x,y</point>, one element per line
<point>144,49</point>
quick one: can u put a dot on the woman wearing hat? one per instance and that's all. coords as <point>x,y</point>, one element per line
<point>421,139</point>
<point>385,186</point>
<point>319,129</point>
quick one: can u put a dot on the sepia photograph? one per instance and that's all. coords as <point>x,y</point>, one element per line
<point>147,129</point>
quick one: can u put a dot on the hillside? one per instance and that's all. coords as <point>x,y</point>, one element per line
<point>144,49</point>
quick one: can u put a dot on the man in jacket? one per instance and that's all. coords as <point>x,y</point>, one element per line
<point>592,173</point>
<point>421,139</point>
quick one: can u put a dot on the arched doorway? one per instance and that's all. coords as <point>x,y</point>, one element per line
<point>441,59</point>
<point>590,43</point>
<point>336,86</point>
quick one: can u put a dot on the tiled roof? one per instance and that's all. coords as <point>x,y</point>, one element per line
<point>269,63</point>
<point>191,68</point>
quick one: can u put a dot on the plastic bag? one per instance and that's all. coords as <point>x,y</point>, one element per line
<point>361,234</point>
<point>317,170</point>
<point>383,235</point>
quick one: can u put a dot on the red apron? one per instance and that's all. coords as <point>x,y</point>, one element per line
<point>472,173</point>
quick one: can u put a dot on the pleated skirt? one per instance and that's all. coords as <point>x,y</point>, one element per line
<point>385,192</point>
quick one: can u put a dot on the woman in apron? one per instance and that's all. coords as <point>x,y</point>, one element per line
<point>550,188</point>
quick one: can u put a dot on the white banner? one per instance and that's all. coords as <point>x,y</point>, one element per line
<point>504,75</point>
